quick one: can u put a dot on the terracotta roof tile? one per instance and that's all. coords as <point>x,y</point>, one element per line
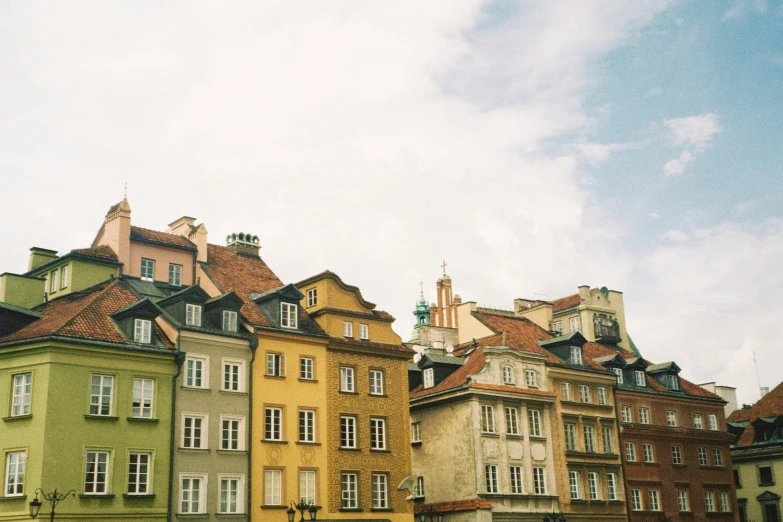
<point>566,302</point>
<point>457,379</point>
<point>146,235</point>
<point>771,405</point>
<point>453,506</point>
<point>99,252</point>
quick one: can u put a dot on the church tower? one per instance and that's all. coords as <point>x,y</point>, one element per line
<point>445,312</point>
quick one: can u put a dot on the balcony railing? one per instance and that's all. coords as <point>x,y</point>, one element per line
<point>607,333</point>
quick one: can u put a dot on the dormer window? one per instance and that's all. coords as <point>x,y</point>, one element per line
<point>429,378</point>
<point>347,329</point>
<point>619,373</point>
<point>557,327</point>
<point>142,331</point>
<point>193,315</point>
<point>641,380</point>
<point>672,382</point>
<point>229,321</point>
<point>508,375</point>
<point>288,315</point>
<point>312,297</point>
<point>576,356</point>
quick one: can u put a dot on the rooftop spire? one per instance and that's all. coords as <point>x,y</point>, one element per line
<point>443,266</point>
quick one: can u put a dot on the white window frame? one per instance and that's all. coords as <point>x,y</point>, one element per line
<point>142,331</point>
<point>348,432</point>
<point>671,418</point>
<point>602,396</point>
<point>611,486</point>
<point>589,433</point>
<point>364,331</point>
<point>380,491</point>
<point>233,375</point>
<point>307,368</point>
<point>639,378</point>
<point>717,457</point>
<point>428,377</point>
<point>575,324</point>
<point>273,487</point>
<point>677,455</point>
<point>606,436</point>
<point>565,391</point>
<point>199,505</point>
<point>273,423</point>
<point>682,501</point>
<point>275,364</point>
<point>377,384</point>
<point>416,431</point>
<point>21,394</point>
<point>576,356</point>
<point>491,478</point>
<point>347,329</point>
<point>418,492</point>
<point>574,485</point>
<point>141,479</point>
<point>97,401</point>
<point>196,371</point>
<point>539,481</point>
<point>619,373</point>
<point>630,451</point>
<point>143,398</point>
<point>644,415</point>
<point>175,274</point>
<point>55,281</point>
<point>95,486</point>
<point>594,485</point>
<point>312,297</point>
<point>195,428</point>
<point>584,394</point>
<point>230,321</point>
<point>515,473</point>
<point>557,327</point>
<point>713,422</point>
<point>512,421</point>
<point>289,316</point>
<point>534,423</point>
<point>193,314</point>
<point>626,414</point>
<point>709,501</point>
<point>347,379</point>
<point>636,500</point>
<point>306,425</point>
<point>698,423</point>
<point>723,500</point>
<point>377,434</point>
<point>531,378</point>
<point>673,382</point>
<point>570,437</point>
<point>648,452</point>
<point>703,458</point>
<point>14,474</point>
<point>226,504</point>
<point>508,375</point>
<point>487,418</point>
<point>236,432</point>
<point>64,277</point>
<point>308,485</point>
<point>147,267</point>
<point>349,490</point>
<point>655,500</point>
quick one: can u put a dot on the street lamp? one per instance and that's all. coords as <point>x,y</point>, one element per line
<point>554,517</point>
<point>302,506</point>
<point>53,498</point>
<point>435,516</point>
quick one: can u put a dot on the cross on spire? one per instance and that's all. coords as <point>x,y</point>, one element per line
<point>421,285</point>
<point>126,190</point>
<point>443,266</point>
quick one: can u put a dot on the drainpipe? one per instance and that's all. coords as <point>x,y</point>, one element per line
<point>620,450</point>
<point>179,358</point>
<point>253,345</point>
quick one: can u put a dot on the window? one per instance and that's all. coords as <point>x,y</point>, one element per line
<point>697,423</point>
<point>288,315</point>
<point>275,364</point>
<point>55,280</point>
<point>194,431</point>
<point>565,391</point>
<point>64,277</point>
<point>347,431</point>
<point>655,500</point>
<point>531,378</point>
<point>22,387</point>
<point>573,482</point>
<point>347,379</point>
<point>649,455</point>
<point>589,433</point>
<point>606,433</point>
<point>534,420</point>
<point>673,382</point>
<point>377,434</point>
<point>416,432</point>
<point>312,297</point>
<point>101,391</point>
<point>611,486</point>
<point>380,491</point>
<point>539,481</point>
<point>713,420</point>
<point>676,455</point>
<point>766,478</point>
<point>175,274</point>
<point>231,489</point>
<point>46,283</point>
<point>627,416</point>
<point>376,382</point>
<point>347,329</point>
<point>516,479</point>
<point>139,473</point>
<point>570,437</point>
<point>594,485</point>
<point>703,457</point>
<point>742,510</point>
<point>737,479</point>
<point>619,373</point>
<point>232,433</point>
<point>143,390</point>
<point>307,485</point>
<point>306,425</point>
<point>576,355</point>
<point>229,321</point>
<point>557,327</point>
<point>644,415</point>
<point>508,375</point>
<point>419,491</point>
<point>195,372</point>
<point>491,475</point>
<point>487,418</point>
<point>348,493</point>
<point>512,421</point>
<point>306,368</point>
<point>364,333</point>
<point>14,473</point>
<point>96,473</point>
<point>192,315</point>
<point>636,499</point>
<point>576,324</point>
<point>584,393</point>
<point>142,331</point>
<point>602,396</point>
<point>429,378</point>
<point>639,378</point>
<point>273,423</point>
<point>724,502</point>
<point>273,487</point>
<point>709,501</point>
<point>233,376</point>
<point>682,500</point>
<point>671,418</point>
<point>147,270</point>
<point>630,451</point>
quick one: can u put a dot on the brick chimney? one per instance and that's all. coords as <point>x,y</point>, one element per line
<point>244,244</point>
<point>185,226</point>
<point>116,231</point>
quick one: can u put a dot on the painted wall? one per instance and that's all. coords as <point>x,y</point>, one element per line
<point>23,291</point>
<point>749,480</point>
<point>162,257</point>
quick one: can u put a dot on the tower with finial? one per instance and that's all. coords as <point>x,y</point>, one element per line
<point>444,313</point>
<point>422,310</point>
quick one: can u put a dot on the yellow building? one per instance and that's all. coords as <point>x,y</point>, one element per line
<point>367,437</point>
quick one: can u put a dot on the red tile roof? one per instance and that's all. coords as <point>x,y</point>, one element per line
<point>457,379</point>
<point>771,405</point>
<point>566,302</point>
<point>98,252</point>
<point>84,315</point>
<point>145,235</point>
<point>456,505</point>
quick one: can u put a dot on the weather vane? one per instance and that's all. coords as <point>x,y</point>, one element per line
<point>421,286</point>
<point>126,190</point>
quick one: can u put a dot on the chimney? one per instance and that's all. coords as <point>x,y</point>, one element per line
<point>244,244</point>
<point>40,256</point>
<point>185,226</point>
<point>764,390</point>
<point>116,231</point>
<point>182,226</point>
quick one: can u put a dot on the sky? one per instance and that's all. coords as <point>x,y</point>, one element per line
<point>535,146</point>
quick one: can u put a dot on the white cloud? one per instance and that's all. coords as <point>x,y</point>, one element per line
<point>677,165</point>
<point>676,236</point>
<point>596,153</point>
<point>695,134</point>
<point>740,8</point>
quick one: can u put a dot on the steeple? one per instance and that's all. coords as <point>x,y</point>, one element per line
<point>421,312</point>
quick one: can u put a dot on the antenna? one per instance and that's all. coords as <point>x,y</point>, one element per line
<point>757,370</point>
<point>421,286</point>
<point>126,190</point>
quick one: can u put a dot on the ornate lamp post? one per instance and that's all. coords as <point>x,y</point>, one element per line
<point>302,506</point>
<point>554,517</point>
<point>435,516</point>
<point>53,498</point>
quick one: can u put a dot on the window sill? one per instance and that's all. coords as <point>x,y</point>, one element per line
<point>537,437</point>
<point>356,450</point>
<point>381,509</point>
<point>191,515</point>
<point>345,392</point>
<point>195,388</point>
<point>380,450</point>
<point>491,435</point>
<point>194,450</point>
<point>513,436</point>
<point>306,443</point>
<point>273,506</point>
<point>350,510</point>
<point>231,452</point>
<point>269,441</point>
<point>308,380</point>
<point>129,496</point>
<point>233,392</point>
<point>229,515</point>
<point>416,443</point>
<point>97,495</point>
<point>142,419</point>
<point>379,395</point>
<point>18,417</point>
<point>275,377</point>
<point>101,417</point>
<point>11,498</point>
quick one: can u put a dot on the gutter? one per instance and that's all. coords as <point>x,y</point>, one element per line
<point>89,342</point>
<point>179,358</point>
<point>253,345</point>
<point>620,451</point>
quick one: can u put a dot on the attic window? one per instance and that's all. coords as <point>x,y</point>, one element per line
<point>229,321</point>
<point>142,331</point>
<point>672,382</point>
<point>312,297</point>
<point>639,378</point>
<point>619,373</point>
<point>193,315</point>
<point>429,378</point>
<point>288,315</point>
<point>576,356</point>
